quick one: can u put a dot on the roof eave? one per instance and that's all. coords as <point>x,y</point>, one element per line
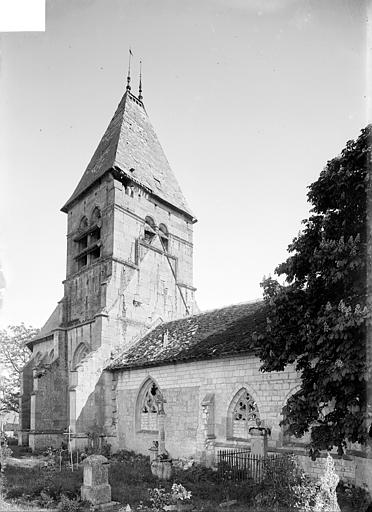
<point>178,361</point>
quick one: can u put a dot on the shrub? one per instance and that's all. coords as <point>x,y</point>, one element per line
<point>351,496</point>
<point>12,441</point>
<point>285,485</point>
<point>68,505</point>
<point>33,481</point>
<point>197,473</point>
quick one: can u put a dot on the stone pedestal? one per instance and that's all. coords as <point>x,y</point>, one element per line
<point>161,427</point>
<point>96,488</point>
<point>258,441</point>
<point>154,450</point>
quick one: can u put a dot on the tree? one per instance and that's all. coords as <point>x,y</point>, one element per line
<point>318,319</point>
<point>13,356</point>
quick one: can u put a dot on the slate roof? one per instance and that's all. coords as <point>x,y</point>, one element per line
<point>131,146</point>
<point>218,333</point>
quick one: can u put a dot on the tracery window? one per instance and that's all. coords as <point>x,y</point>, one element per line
<point>149,404</point>
<point>243,413</point>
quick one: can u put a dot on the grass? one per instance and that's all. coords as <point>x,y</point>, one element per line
<point>130,478</point>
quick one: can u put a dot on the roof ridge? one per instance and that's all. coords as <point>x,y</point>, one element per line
<point>219,332</point>
<point>208,311</point>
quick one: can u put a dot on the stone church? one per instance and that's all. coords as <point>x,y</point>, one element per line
<point>127,337</point>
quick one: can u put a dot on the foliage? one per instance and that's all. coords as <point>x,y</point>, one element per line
<point>72,505</point>
<point>160,497</point>
<point>13,356</point>
<point>197,473</point>
<point>31,482</point>
<point>318,319</point>
<point>352,497</point>
<point>326,498</point>
<point>285,485</point>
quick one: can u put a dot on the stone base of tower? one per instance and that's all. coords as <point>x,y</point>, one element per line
<point>41,440</point>
<point>23,438</point>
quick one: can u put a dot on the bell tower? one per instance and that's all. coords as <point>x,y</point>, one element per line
<point>129,267</point>
<point>129,254</point>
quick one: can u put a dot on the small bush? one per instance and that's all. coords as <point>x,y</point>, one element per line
<point>197,473</point>
<point>12,441</point>
<point>68,505</point>
<point>353,497</point>
<point>33,481</point>
<point>285,486</point>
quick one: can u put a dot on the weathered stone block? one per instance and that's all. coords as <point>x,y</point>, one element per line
<point>96,488</point>
<point>97,495</point>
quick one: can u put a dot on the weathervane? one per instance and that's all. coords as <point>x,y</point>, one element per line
<point>140,97</point>
<point>128,76</point>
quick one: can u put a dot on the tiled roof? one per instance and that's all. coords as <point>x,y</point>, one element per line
<point>217,333</point>
<point>130,144</point>
<point>53,322</point>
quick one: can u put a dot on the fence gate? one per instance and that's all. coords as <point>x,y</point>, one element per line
<point>241,464</point>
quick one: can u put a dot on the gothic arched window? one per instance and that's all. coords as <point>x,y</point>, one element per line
<point>95,234</point>
<point>88,239</point>
<point>242,414</point>
<point>81,351</point>
<point>37,359</point>
<point>164,237</point>
<point>150,402</point>
<point>149,231</point>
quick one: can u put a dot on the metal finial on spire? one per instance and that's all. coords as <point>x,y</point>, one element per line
<point>140,97</point>
<point>128,75</point>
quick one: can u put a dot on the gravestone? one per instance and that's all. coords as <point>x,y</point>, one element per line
<point>259,440</point>
<point>96,488</point>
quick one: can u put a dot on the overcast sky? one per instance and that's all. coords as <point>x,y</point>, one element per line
<point>249,98</point>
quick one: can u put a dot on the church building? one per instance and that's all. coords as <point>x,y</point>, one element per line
<point>127,339</point>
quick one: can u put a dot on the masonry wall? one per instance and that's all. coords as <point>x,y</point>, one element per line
<point>353,468</point>
<point>49,398</point>
<point>25,403</point>
<point>111,302</point>
<point>185,386</point>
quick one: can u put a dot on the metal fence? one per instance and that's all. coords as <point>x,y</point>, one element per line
<point>241,464</point>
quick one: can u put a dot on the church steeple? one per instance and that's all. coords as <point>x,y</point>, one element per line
<point>130,148</point>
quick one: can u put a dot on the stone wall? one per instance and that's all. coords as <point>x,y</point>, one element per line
<point>353,468</point>
<point>185,386</point>
<point>198,395</point>
<point>25,403</point>
<point>49,399</point>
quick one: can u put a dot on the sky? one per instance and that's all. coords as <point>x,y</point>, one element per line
<point>249,98</point>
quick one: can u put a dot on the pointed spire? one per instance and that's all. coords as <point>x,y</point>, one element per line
<point>140,97</point>
<point>128,75</point>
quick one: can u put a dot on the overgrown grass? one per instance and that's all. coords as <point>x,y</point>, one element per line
<point>130,478</point>
<point>31,482</point>
<point>21,451</point>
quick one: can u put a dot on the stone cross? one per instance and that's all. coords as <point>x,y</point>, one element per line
<point>161,425</point>
<point>96,488</point>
